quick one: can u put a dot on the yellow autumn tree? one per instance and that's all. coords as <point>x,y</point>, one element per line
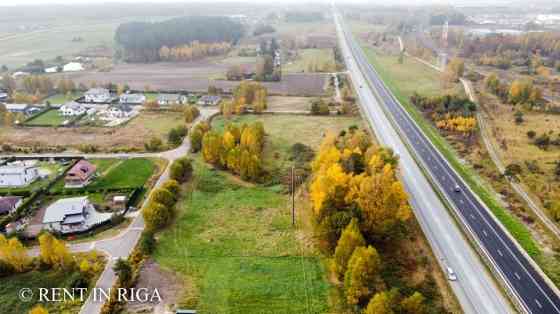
<point>383,202</point>
<point>329,184</point>
<point>14,254</point>
<point>362,274</point>
<point>379,304</point>
<point>350,239</point>
<point>38,309</point>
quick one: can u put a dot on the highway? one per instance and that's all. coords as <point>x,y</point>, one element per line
<point>529,288</point>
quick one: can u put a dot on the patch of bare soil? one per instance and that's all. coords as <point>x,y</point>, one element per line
<point>167,283</point>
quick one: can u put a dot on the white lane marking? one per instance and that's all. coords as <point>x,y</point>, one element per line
<point>517,276</point>
<point>484,231</point>
<point>472,216</point>
<point>538,303</point>
<point>461,201</point>
<point>500,252</point>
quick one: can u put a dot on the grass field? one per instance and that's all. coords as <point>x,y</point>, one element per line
<point>310,57</point>
<point>237,252</point>
<point>129,173</point>
<point>10,286</point>
<point>58,99</point>
<point>308,130</point>
<point>51,117</point>
<point>395,78</point>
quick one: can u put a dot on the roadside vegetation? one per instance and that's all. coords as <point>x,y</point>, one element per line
<point>55,267</point>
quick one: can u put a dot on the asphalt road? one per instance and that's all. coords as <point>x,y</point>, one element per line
<point>521,275</point>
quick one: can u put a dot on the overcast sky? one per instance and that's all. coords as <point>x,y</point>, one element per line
<point>27,2</point>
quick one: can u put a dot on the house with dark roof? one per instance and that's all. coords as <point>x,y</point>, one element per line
<point>9,204</point>
<point>67,214</point>
<point>80,175</point>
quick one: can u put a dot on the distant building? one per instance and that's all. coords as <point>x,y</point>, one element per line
<point>80,174</point>
<point>72,108</point>
<point>18,175</point>
<point>67,214</point>
<point>17,108</point>
<point>118,111</point>
<point>132,99</point>
<point>98,95</point>
<point>209,100</point>
<point>171,99</point>
<point>9,204</point>
<point>72,67</point>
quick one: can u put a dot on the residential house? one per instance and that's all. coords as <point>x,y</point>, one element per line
<point>132,99</point>
<point>209,100</point>
<point>3,95</point>
<point>80,174</point>
<point>18,175</point>
<point>72,108</point>
<point>98,95</point>
<point>171,99</point>
<point>9,204</point>
<point>17,108</point>
<point>118,112</point>
<point>72,67</point>
<point>68,214</point>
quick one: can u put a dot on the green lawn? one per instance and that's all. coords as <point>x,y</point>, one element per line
<point>10,286</point>
<point>394,75</point>
<point>129,173</point>
<point>235,246</point>
<point>104,164</point>
<point>59,99</point>
<point>51,117</point>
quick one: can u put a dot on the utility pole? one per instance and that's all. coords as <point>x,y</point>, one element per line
<point>293,197</point>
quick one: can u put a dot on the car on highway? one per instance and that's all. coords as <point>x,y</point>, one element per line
<point>457,188</point>
<point>451,274</point>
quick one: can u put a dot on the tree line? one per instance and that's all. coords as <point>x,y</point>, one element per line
<point>519,92</point>
<point>238,149</point>
<point>358,205</point>
<point>246,96</point>
<point>193,51</point>
<point>142,41</point>
<point>448,112</point>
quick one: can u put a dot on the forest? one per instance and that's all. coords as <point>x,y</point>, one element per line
<point>142,41</point>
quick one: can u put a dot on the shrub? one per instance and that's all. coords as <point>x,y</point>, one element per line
<point>162,196</point>
<point>531,134</point>
<point>181,169</point>
<point>154,144</point>
<point>319,107</point>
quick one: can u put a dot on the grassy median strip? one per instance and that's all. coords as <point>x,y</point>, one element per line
<point>514,226</point>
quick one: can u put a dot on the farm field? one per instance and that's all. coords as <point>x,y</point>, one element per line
<point>51,117</point>
<point>289,103</point>
<point>237,252</point>
<point>130,136</point>
<point>193,76</point>
<point>307,59</point>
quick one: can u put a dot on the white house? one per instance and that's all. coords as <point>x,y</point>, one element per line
<point>72,108</point>
<point>52,69</point>
<point>171,99</point>
<point>68,214</point>
<point>18,175</point>
<point>132,99</point>
<point>119,111</point>
<point>98,95</point>
<point>72,67</point>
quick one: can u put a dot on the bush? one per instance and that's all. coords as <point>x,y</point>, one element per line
<point>155,144</point>
<point>147,243</point>
<point>172,186</point>
<point>181,169</point>
<point>319,107</point>
<point>162,196</point>
<point>531,134</point>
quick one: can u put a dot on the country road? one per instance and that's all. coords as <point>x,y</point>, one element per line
<point>475,289</point>
<point>528,287</point>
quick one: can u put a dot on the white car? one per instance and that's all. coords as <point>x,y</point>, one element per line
<point>451,274</point>
<point>457,188</point>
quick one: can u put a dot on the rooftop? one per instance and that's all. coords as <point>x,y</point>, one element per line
<point>57,211</point>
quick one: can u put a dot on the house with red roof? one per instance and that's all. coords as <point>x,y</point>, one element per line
<point>80,175</point>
